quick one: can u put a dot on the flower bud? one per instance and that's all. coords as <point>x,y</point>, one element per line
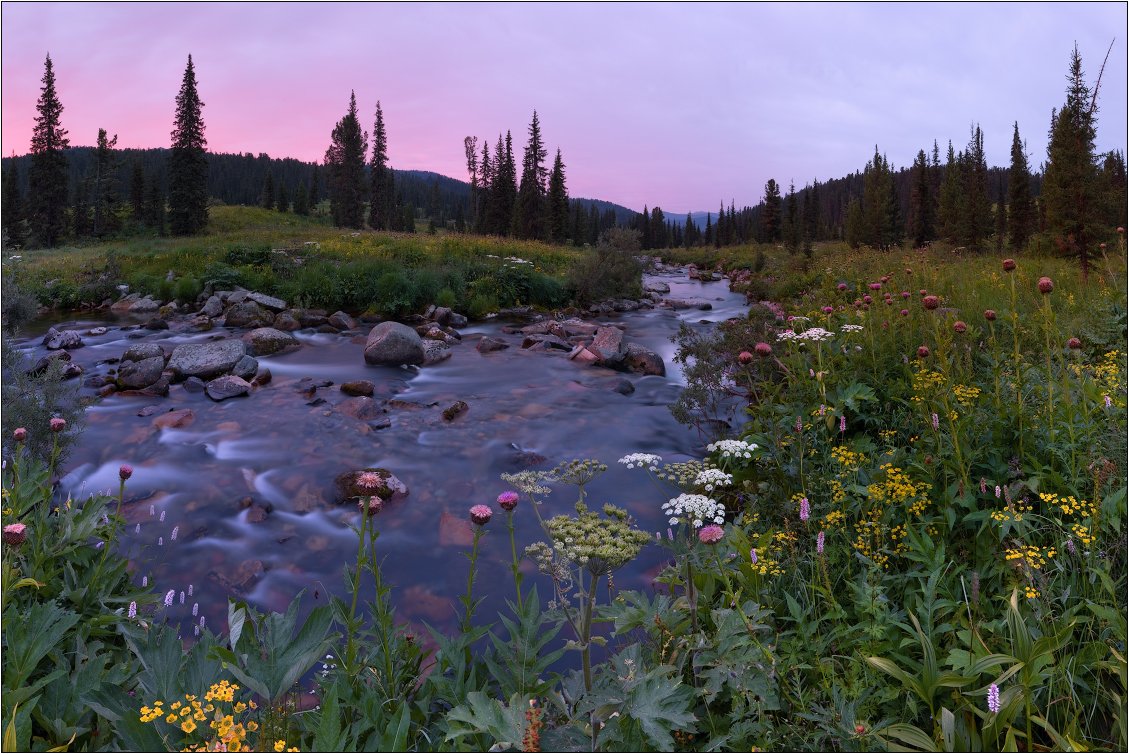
<point>20,434</point>
<point>744,357</point>
<point>58,425</point>
<point>990,315</point>
<point>1009,265</point>
<point>931,302</point>
<point>763,349</point>
<point>960,326</point>
<point>125,471</point>
<point>1046,285</point>
<point>1074,344</point>
<point>923,352</point>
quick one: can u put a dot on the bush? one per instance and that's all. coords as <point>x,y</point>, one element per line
<point>395,294</point>
<point>608,271</point>
<point>239,255</point>
<point>186,289</point>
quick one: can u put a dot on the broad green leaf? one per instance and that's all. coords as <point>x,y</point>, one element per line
<point>910,735</point>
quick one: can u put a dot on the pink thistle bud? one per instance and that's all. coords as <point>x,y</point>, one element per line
<point>905,312</point>
<point>371,505</point>
<point>923,292</point>
<point>744,357</point>
<point>508,500</point>
<point>1101,246</point>
<point>1120,229</point>
<point>480,514</point>
<point>923,352</point>
<point>369,482</point>
<point>842,286</point>
<point>1009,265</point>
<point>990,315</point>
<point>711,535</point>
<point>930,302</point>
<point>1046,285</point>
<point>125,471</point>
<point>960,326</point>
<point>867,299</point>
<point>819,541</point>
<point>905,294</point>
<point>763,349</point>
<point>876,286</point>
<point>1074,344</point>
<point>828,309</point>
<point>20,434</point>
<point>15,534</point>
<point>58,425</point>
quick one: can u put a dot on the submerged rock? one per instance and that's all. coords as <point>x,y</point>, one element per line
<point>644,361</point>
<point>489,345</point>
<point>359,388</point>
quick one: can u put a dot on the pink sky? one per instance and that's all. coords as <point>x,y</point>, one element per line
<point>679,105</point>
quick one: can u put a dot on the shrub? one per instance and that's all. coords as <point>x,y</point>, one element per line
<point>238,255</point>
<point>395,294</point>
<point>609,270</point>
<point>186,289</point>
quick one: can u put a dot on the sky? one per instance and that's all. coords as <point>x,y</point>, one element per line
<point>681,105</point>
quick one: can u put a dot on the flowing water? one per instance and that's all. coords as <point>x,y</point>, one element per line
<point>185,504</point>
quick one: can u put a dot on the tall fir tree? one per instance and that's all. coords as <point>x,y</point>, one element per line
<point>380,187</point>
<point>949,197</point>
<point>137,193</point>
<point>1070,178</point>
<point>771,214</point>
<point>709,234</point>
<point>345,165</point>
<point>529,211</point>
<point>470,149</point>
<point>155,206</point>
<point>12,217</point>
<point>104,187</point>
<point>976,206</point>
<point>504,191</point>
<point>486,201</point>
<point>558,202</point>
<point>281,197</point>
<point>1113,190</point>
<point>919,215</point>
<point>1020,209</point>
<point>315,188</point>
<point>793,232</point>
<point>266,200</point>
<point>188,162</point>
<point>47,177</point>
<point>301,200</point>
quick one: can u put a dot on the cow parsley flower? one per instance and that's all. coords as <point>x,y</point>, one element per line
<point>711,478</point>
<point>642,460</point>
<point>694,509</point>
<point>732,448</point>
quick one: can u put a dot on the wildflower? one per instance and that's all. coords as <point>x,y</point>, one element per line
<point>1009,265</point>
<point>169,597</point>
<point>58,425</point>
<point>805,509</point>
<point>799,425</point>
<point>998,490</point>
<point>1108,401</point>
<point>480,514</point>
<point>20,434</point>
<point>732,448</point>
<point>1046,285</point>
<point>189,590</point>
<point>161,518</point>
<point>753,556</point>
<point>744,357</point>
<point>195,609</point>
<point>867,299</point>
<point>508,500</point>
<point>828,309</point>
<point>983,486</point>
<point>763,349</point>
<point>125,472</point>
<point>990,315</point>
<point>936,423</point>
<point>923,352</point>
<point>819,540</point>
<point>368,482</point>
<point>960,326</point>
<point>860,729</point>
<point>1070,548</point>
<point>160,541</point>
<point>175,531</point>
<point>182,597</point>
<point>710,478</point>
<point>850,328</point>
<point>875,286</point>
<point>697,509</point>
<point>669,534</point>
<point>144,582</point>
<point>15,534</point>
<point>370,505</point>
<point>1074,344</point>
<point>993,698</point>
<point>815,333</point>
<point>132,610</point>
<point>842,286</point>
<point>152,511</point>
<point>642,460</point>
<point>930,302</point>
<point>137,528</point>
<point>842,424</point>
<point>905,294</point>
<point>905,312</point>
<point>712,534</point>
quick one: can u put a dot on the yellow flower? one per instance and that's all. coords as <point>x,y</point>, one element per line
<point>188,726</point>
<point>239,707</point>
<point>171,718</point>
<point>252,726</point>
<point>280,745</point>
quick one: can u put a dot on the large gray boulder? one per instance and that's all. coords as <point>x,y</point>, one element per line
<point>342,321</point>
<point>246,368</point>
<point>134,375</point>
<point>248,314</point>
<point>270,302</point>
<point>60,339</point>
<point>644,361</point>
<point>392,343</point>
<point>213,307</point>
<point>609,346</point>
<point>139,351</point>
<point>264,341</point>
<point>206,360</point>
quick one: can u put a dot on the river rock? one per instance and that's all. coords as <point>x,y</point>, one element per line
<point>287,321</point>
<point>312,317</point>
<point>178,419</point>
<point>609,346</point>
<point>358,388</point>
<point>435,351</point>
<point>97,331</point>
<point>246,368</point>
<point>389,488</point>
<point>139,351</point>
<point>342,321</point>
<point>457,320</point>
<point>623,387</point>
<point>144,306</point>
<point>201,323</point>
<point>546,341</point>
<point>360,407</point>
<point>227,386</point>
<point>262,377</point>
<point>72,370</point>
<point>265,341</point>
<point>644,361</point>
<point>574,327</point>
<point>393,344</point>
<point>248,314</point>
<point>237,296</point>
<point>657,287</point>
<point>44,362</point>
<point>455,410</point>
<point>123,304</point>
<point>213,307</point>
<point>270,302</point>
<point>582,355</point>
<point>134,375</point>
<point>489,345</point>
<point>156,323</point>
<point>194,385</point>
<point>206,360</point>
<point>56,340</point>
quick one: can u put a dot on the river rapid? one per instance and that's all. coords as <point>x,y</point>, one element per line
<point>239,502</point>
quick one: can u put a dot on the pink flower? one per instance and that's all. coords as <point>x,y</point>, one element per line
<point>805,509</point>
<point>480,514</point>
<point>57,424</point>
<point>20,434</point>
<point>842,286</point>
<point>960,326</point>
<point>819,540</point>
<point>125,472</point>
<point>170,595</point>
<point>508,500</point>
<point>15,534</point>
<point>1009,265</point>
<point>132,610</point>
<point>828,309</point>
<point>875,286</point>
<point>930,302</point>
<point>905,312</point>
<point>763,349</point>
<point>905,294</point>
<point>923,352</point>
<point>753,556</point>
<point>843,423</point>
<point>1046,285</point>
<point>993,698</point>
<point>990,315</point>
<point>745,357</point>
<point>369,482</point>
<point>1074,344</point>
<point>935,422</point>
<point>710,535</point>
<point>371,505</point>
<point>867,299</point>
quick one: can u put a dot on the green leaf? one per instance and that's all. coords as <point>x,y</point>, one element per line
<point>481,714</point>
<point>910,735</point>
<point>10,732</point>
<point>329,736</point>
<point>660,702</point>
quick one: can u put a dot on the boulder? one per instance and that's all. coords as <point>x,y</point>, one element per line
<point>644,361</point>
<point>233,297</point>
<point>435,351</point>
<point>262,377</point>
<point>228,386</point>
<point>389,487</point>
<point>583,355</point>
<point>44,362</point>
<point>248,314</point>
<point>246,368</point>
<point>455,410</point>
<point>609,346</point>
<point>141,351</point>
<point>156,323</point>
<point>213,307</point>
<point>201,323</point>
<point>270,302</point>
<point>97,331</point>
<point>342,321</point>
<point>194,385</point>
<point>442,315</point>
<point>393,344</point>
<point>123,304</point>
<point>656,287</point>
<point>546,341</point>
<point>72,370</point>
<point>134,375</point>
<point>579,327</point>
<point>206,360</point>
<point>59,339</point>
<point>143,306</point>
<point>358,388</point>
<point>287,321</point>
<point>457,320</point>
<point>264,341</point>
<point>489,345</point>
<point>312,317</point>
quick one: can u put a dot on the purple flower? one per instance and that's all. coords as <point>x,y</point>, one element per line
<point>993,698</point>
<point>508,500</point>
<point>144,582</point>
<point>182,598</point>
<point>936,423</point>
<point>195,609</point>
<point>753,556</point>
<point>175,531</point>
<point>983,486</point>
<point>799,425</point>
<point>137,529</point>
<point>480,514</point>
<point>843,424</point>
<point>132,610</point>
<point>1070,546</point>
<point>998,491</point>
<point>160,541</point>
<point>1108,401</point>
<point>58,425</point>
<point>161,518</point>
<point>670,534</point>
<point>152,511</point>
<point>819,542</point>
<point>169,597</point>
<point>805,509</point>
<point>189,590</point>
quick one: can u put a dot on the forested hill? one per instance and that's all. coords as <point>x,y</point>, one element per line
<point>242,179</point>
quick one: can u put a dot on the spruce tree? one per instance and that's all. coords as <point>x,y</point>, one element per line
<point>15,235</point>
<point>188,162</point>
<point>919,214</point>
<point>976,207</point>
<point>345,165</point>
<point>1020,210</point>
<point>487,199</point>
<point>470,149</point>
<point>1113,190</point>
<point>708,235</point>
<point>137,193</point>
<point>793,233</point>
<point>721,230</point>
<point>315,193</point>
<point>155,206</point>
<point>301,200</point>
<point>47,177</point>
<point>104,187</point>
<point>281,198</point>
<point>558,202</point>
<point>660,238</point>
<point>379,184</point>
<point>504,192</point>
<point>80,208</point>
<point>1070,178</point>
<point>266,200</point>
<point>949,198</point>
<point>529,209</point>
<point>770,216</point>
